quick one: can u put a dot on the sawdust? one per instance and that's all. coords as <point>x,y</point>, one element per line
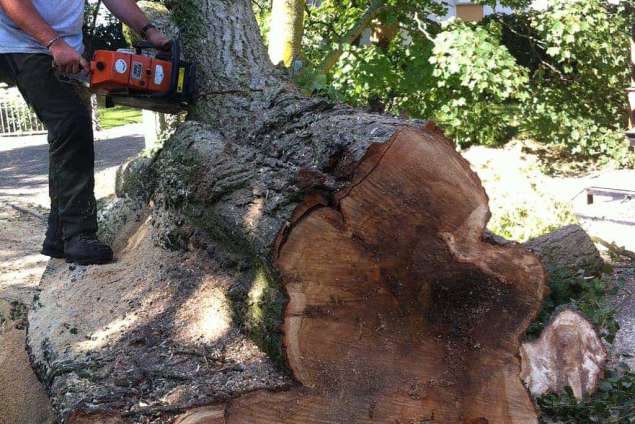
<point>150,332</point>
<point>22,398</point>
<point>21,267</point>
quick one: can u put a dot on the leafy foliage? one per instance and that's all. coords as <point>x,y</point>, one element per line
<point>589,295</point>
<point>478,85</point>
<point>522,215</point>
<point>108,32</point>
<point>557,75</point>
<point>614,403</point>
<point>578,87</point>
<point>389,79</point>
<point>463,78</point>
<point>262,11</point>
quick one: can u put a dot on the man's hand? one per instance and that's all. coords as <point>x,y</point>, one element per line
<point>66,59</point>
<point>129,12</point>
<point>158,39</point>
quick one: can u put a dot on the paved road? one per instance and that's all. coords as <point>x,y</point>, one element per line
<point>611,218</point>
<point>24,163</point>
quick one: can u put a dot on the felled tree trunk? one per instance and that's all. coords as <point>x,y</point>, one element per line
<point>569,249</point>
<point>397,309</point>
<point>398,312</point>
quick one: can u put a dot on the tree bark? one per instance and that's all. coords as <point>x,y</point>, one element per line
<point>568,249</point>
<point>372,228</point>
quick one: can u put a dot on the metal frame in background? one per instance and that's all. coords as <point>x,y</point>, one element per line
<point>16,117</point>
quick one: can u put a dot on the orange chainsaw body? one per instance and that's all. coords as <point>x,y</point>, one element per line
<point>113,71</point>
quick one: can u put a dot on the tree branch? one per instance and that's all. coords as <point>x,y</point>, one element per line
<point>375,8</point>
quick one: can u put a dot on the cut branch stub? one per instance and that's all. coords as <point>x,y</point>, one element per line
<point>398,311</point>
<point>569,353</point>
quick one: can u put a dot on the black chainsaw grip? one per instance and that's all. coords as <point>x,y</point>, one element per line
<point>143,45</point>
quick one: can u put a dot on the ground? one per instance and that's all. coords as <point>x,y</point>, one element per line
<point>525,202</point>
<point>624,345</point>
<point>23,206</point>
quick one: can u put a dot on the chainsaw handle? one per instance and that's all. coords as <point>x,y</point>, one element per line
<point>141,45</point>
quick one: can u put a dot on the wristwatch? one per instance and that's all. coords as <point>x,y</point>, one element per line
<point>145,30</point>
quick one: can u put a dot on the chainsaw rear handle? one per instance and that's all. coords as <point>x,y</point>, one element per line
<point>82,68</point>
<point>143,45</point>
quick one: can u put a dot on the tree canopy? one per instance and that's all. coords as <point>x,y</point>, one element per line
<point>556,75</point>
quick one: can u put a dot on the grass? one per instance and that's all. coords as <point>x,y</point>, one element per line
<point>118,116</point>
<point>614,403</point>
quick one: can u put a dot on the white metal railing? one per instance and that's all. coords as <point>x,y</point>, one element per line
<point>16,117</point>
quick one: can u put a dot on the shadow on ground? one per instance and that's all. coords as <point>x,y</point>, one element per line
<point>27,167</point>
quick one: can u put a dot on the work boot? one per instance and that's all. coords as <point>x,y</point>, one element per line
<point>53,247</point>
<point>87,249</point>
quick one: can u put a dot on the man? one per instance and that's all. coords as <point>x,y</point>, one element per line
<point>37,36</point>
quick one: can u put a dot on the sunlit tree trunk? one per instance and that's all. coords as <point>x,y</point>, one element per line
<point>286,30</point>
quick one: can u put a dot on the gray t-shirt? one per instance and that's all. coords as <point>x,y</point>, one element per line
<point>66,17</point>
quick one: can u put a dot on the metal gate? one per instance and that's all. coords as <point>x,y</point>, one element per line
<point>16,117</point>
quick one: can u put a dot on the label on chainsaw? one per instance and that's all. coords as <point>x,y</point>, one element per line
<point>158,74</point>
<point>121,66</point>
<point>137,70</point>
<point>181,82</point>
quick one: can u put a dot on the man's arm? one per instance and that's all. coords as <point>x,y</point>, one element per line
<point>30,21</point>
<point>128,12</point>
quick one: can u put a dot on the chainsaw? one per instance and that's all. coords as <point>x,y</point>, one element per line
<point>143,77</point>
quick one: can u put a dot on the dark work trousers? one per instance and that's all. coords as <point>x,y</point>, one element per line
<point>70,138</point>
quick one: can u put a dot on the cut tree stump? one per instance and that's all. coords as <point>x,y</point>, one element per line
<point>398,310</point>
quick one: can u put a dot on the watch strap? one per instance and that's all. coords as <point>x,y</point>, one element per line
<point>146,28</point>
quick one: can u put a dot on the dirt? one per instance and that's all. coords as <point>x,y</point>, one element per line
<point>624,344</point>
<point>21,236</point>
<point>23,400</point>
